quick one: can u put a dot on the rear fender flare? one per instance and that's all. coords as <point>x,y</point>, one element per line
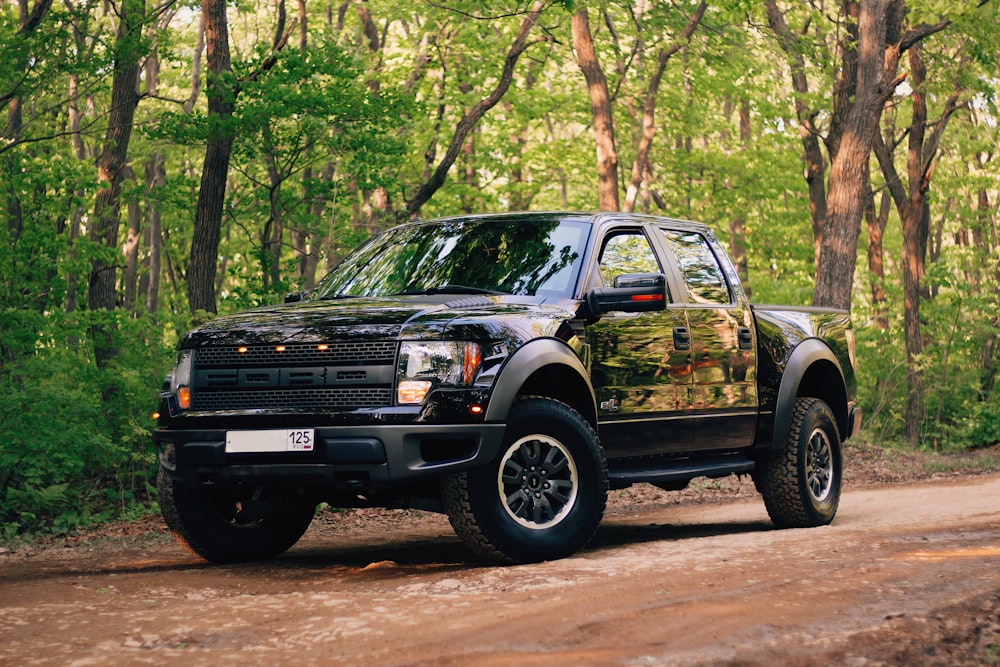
<point>805,355</point>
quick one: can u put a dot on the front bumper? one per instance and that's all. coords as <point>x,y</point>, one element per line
<point>351,458</point>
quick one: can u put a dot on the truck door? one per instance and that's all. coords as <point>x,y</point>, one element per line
<point>723,340</point>
<point>640,361</point>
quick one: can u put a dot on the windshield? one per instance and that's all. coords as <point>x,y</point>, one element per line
<point>496,256</point>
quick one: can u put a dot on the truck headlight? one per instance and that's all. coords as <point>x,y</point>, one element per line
<point>180,379</point>
<point>424,365</point>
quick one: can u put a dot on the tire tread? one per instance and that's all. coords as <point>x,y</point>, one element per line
<point>777,475</point>
<point>487,541</point>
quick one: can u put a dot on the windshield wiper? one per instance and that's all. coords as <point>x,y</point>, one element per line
<point>451,289</point>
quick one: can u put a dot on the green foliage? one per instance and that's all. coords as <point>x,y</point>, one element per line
<point>76,439</point>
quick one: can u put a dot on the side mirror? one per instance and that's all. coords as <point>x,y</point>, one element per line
<point>294,297</point>
<point>632,293</point>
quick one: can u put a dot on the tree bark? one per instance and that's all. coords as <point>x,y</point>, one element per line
<point>196,68</point>
<point>221,91</point>
<point>156,179</point>
<point>519,199</point>
<point>737,225</point>
<point>868,55</point>
<point>914,213</point>
<point>987,223</point>
<point>132,238</point>
<point>815,164</point>
<point>600,111</point>
<point>274,229</point>
<point>876,221</point>
<point>849,175</point>
<point>111,169</point>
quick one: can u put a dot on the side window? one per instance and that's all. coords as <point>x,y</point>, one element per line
<point>702,273</point>
<point>626,253</point>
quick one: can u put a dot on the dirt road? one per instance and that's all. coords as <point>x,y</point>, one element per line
<point>905,575</point>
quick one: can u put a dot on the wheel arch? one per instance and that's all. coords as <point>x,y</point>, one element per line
<point>811,371</point>
<point>544,367</point>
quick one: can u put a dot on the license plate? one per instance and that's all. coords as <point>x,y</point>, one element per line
<point>273,440</point>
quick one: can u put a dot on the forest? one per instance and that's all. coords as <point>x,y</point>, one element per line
<point>166,161</point>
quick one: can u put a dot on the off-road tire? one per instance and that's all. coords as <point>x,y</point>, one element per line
<point>544,495</point>
<point>225,525</point>
<point>801,483</point>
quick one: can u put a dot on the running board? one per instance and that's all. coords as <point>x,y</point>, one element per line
<point>677,471</point>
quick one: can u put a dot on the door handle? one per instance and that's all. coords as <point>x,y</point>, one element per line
<point>745,336</point>
<point>682,338</point>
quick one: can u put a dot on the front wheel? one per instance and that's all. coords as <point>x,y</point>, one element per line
<point>542,498</point>
<point>801,483</point>
<point>232,524</point>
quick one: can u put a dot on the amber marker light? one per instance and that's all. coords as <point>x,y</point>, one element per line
<point>412,391</point>
<point>322,348</point>
<point>155,416</point>
<point>280,348</point>
<point>241,350</point>
<point>184,397</point>
<point>475,409</point>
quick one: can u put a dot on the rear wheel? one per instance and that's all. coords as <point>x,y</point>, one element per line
<point>232,524</point>
<point>801,483</point>
<point>542,498</point>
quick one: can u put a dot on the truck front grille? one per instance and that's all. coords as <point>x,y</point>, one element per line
<point>294,377</point>
<point>292,399</point>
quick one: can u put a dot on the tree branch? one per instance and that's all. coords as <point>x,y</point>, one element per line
<point>36,16</point>
<point>268,62</point>
<point>475,114</point>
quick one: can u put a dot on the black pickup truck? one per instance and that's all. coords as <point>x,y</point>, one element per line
<point>507,370</point>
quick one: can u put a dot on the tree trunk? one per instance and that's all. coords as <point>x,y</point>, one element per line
<point>196,68</point>
<point>991,349</point>
<point>815,164</point>
<point>737,225</point>
<point>641,167</point>
<point>876,221</point>
<point>12,132</point>
<point>912,275</point>
<point>111,169</point>
<point>849,175</point>
<point>914,214</point>
<point>131,277</point>
<point>868,53</point>
<point>272,236</point>
<point>156,179</point>
<point>78,211</point>
<point>215,170</point>
<point>306,244</point>
<point>600,111</point>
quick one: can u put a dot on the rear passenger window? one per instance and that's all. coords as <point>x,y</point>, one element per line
<point>702,273</point>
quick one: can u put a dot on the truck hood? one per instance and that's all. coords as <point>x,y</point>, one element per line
<point>401,317</point>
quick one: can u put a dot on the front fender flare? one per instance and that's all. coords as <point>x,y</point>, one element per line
<point>526,361</point>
